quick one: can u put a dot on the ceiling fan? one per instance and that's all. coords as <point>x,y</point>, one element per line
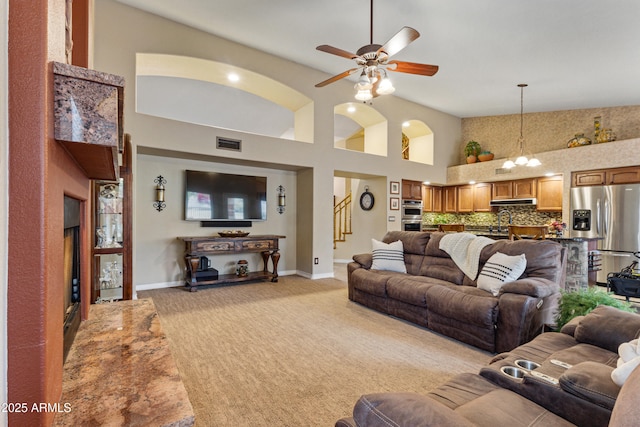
<point>373,63</point>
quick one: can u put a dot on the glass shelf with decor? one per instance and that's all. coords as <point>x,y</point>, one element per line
<point>111,236</point>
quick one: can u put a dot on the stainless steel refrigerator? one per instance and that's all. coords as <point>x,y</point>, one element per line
<point>611,212</point>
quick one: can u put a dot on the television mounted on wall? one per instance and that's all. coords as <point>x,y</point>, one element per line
<point>215,196</point>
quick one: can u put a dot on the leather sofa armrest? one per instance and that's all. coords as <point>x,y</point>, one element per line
<point>404,409</point>
<point>570,327</point>
<point>365,260</point>
<point>592,382</point>
<point>608,327</point>
<point>533,286</point>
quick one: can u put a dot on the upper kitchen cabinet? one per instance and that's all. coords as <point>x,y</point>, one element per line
<point>450,199</point>
<point>625,175</point>
<point>427,198</point>
<point>550,193</point>
<point>411,190</point>
<point>465,198</point>
<point>482,197</point>
<point>518,189</point>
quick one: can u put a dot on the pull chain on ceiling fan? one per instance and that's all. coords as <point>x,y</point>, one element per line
<point>372,62</point>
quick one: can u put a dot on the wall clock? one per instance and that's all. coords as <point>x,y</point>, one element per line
<point>366,200</point>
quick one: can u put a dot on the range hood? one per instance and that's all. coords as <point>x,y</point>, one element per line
<point>513,202</point>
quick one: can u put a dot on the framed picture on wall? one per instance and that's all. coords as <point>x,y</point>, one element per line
<point>394,187</point>
<point>394,203</point>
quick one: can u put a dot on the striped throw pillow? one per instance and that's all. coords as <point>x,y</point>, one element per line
<point>501,269</point>
<point>388,257</point>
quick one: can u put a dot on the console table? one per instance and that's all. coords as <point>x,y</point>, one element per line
<point>196,247</point>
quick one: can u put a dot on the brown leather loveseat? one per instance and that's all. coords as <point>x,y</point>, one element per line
<point>436,294</point>
<point>568,381</point>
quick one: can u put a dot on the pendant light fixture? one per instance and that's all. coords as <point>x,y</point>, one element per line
<point>521,160</point>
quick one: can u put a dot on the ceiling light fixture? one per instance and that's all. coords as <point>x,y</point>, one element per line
<point>233,77</point>
<point>521,160</point>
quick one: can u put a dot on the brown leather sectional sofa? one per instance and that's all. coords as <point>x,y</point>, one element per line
<point>436,294</point>
<point>569,384</point>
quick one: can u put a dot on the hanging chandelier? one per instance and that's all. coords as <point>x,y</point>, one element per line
<point>521,160</point>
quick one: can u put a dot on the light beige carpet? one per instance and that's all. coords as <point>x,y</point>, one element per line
<point>296,352</point>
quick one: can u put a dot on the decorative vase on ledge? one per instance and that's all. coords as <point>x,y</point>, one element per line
<point>485,157</point>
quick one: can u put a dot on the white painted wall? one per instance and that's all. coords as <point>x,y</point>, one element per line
<point>4,199</point>
<point>121,32</point>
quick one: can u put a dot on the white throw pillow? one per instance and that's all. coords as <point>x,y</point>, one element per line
<point>501,269</point>
<point>388,257</point>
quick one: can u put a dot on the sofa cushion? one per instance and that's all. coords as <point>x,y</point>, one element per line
<point>373,282</point>
<point>466,304</point>
<point>404,409</point>
<point>608,327</point>
<point>501,269</point>
<point>411,289</point>
<point>505,408</point>
<point>582,352</point>
<point>591,381</point>
<point>388,256</point>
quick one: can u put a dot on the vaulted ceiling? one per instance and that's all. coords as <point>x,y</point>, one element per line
<point>573,53</point>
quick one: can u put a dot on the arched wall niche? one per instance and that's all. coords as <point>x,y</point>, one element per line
<point>417,142</point>
<point>200,91</point>
<point>360,127</point>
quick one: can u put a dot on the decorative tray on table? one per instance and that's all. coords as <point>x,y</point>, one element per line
<point>234,233</point>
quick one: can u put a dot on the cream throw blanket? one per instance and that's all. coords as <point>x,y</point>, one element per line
<point>464,249</point>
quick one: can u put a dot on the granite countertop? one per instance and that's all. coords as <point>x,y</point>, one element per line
<point>120,371</point>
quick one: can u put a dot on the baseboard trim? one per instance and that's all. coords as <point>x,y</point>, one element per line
<point>160,285</point>
<point>342,261</point>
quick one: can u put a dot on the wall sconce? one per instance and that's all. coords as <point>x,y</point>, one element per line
<point>159,203</point>
<point>281,199</point>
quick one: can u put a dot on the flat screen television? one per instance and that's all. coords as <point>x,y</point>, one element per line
<point>214,196</point>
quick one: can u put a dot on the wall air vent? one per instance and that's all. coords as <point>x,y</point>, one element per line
<point>501,171</point>
<point>228,144</point>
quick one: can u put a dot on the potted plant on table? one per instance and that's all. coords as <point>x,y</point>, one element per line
<point>471,151</point>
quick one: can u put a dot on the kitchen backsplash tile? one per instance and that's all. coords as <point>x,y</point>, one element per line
<point>522,215</point>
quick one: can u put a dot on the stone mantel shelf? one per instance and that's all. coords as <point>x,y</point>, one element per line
<point>88,110</point>
<point>567,160</point>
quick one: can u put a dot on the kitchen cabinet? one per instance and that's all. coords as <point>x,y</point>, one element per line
<point>450,199</point>
<point>524,188</point>
<point>427,198</point>
<point>482,197</point>
<point>625,175</point>
<point>437,199</point>
<point>549,193</point>
<point>501,190</point>
<point>518,189</point>
<point>579,179</point>
<point>465,198</point>
<point>411,190</point>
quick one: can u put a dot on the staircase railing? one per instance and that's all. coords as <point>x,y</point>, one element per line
<point>341,220</point>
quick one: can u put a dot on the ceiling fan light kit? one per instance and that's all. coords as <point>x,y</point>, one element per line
<point>372,61</point>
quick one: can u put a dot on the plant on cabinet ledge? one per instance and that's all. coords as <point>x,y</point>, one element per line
<point>471,151</point>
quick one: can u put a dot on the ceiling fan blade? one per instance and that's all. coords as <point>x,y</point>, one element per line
<point>413,68</point>
<point>398,42</point>
<point>335,51</point>
<point>337,77</point>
